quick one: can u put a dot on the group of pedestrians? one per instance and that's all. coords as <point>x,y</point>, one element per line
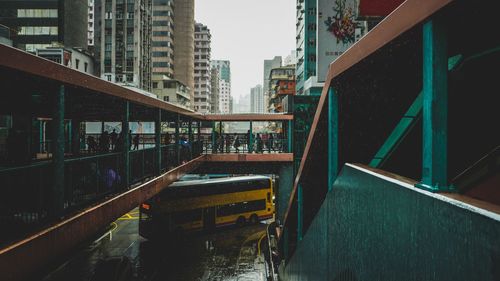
<point>112,142</point>
<point>225,142</point>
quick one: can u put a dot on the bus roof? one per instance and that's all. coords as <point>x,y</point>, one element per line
<point>217,180</point>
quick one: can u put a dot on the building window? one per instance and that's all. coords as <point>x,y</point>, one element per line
<point>155,85</point>
<point>166,98</point>
<point>37,13</point>
<point>86,66</point>
<point>38,30</point>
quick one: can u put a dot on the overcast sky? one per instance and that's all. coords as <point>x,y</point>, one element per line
<point>247,32</point>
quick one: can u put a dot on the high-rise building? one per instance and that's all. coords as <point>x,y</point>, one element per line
<point>39,24</point>
<point>281,85</point>
<point>123,42</point>
<point>231,104</point>
<point>290,59</point>
<point>202,51</point>
<point>184,43</point>
<point>163,34</point>
<point>5,35</point>
<point>268,65</point>
<point>257,99</point>
<point>172,91</point>
<point>74,58</point>
<point>306,47</point>
<point>90,30</point>
<point>224,96</point>
<point>224,68</point>
<point>214,81</point>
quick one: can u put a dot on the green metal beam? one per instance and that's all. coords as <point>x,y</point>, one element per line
<point>435,106</point>
<point>126,143</point>
<point>158,141</point>
<point>75,137</point>
<point>406,124</point>
<point>190,131</point>
<point>57,207</point>
<point>290,136</point>
<point>333,137</point>
<point>214,147</point>
<point>300,213</point>
<point>177,138</point>
<point>199,130</point>
<point>250,145</point>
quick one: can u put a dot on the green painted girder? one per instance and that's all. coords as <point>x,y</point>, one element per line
<point>290,136</point>
<point>333,137</point>
<point>250,145</point>
<point>126,141</point>
<point>158,142</point>
<point>435,106</point>
<point>57,206</point>
<point>406,124</point>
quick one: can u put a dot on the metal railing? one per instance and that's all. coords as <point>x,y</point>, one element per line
<point>227,144</point>
<point>27,193</point>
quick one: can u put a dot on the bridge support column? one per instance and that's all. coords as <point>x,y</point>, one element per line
<point>158,141</point>
<point>300,212</point>
<point>126,144</point>
<point>435,106</point>
<point>75,137</point>
<point>289,136</point>
<point>57,204</point>
<point>333,137</point>
<point>284,190</point>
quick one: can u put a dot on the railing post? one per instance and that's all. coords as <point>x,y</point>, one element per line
<point>177,139</point>
<point>290,136</point>
<point>190,132</point>
<point>200,141</point>
<point>158,141</point>
<point>435,106</point>
<point>221,137</point>
<point>57,207</point>
<point>250,144</point>
<point>214,148</point>
<point>333,137</point>
<point>126,144</point>
<point>75,137</point>
<point>300,212</point>
<point>191,138</point>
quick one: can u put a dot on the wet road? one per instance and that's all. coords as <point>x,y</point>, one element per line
<point>226,255</point>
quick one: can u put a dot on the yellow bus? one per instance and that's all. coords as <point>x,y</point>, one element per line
<point>207,204</point>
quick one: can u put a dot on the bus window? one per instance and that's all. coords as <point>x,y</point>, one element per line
<point>187,216</point>
<point>269,197</point>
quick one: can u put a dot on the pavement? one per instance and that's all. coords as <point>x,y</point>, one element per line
<point>230,254</point>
